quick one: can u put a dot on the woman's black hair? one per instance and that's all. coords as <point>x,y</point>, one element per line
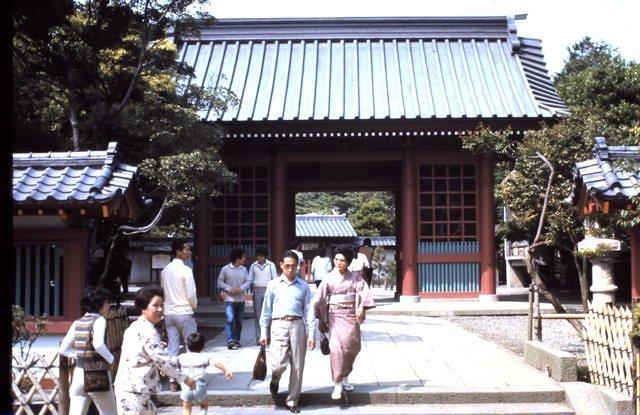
<point>146,294</point>
<point>261,250</point>
<point>93,298</point>
<point>195,342</point>
<point>346,251</point>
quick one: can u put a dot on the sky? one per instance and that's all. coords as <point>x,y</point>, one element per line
<point>558,23</point>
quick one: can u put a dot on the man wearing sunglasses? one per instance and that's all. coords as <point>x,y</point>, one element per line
<point>288,326</point>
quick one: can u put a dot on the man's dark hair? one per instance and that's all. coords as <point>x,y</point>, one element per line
<point>93,298</point>
<point>261,250</point>
<point>177,245</point>
<point>236,254</point>
<point>366,242</point>
<point>195,342</point>
<point>346,251</point>
<point>291,254</point>
<point>146,294</point>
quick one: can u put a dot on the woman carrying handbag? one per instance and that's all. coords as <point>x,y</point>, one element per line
<point>340,304</point>
<point>85,343</point>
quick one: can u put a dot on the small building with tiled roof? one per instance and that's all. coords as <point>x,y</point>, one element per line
<point>58,198</point>
<point>314,225</point>
<point>368,104</point>
<point>602,183</point>
<point>608,182</point>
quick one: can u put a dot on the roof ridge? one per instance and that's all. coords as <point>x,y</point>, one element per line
<point>317,28</point>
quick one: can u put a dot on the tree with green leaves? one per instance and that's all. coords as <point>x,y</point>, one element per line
<point>89,72</point>
<point>602,91</point>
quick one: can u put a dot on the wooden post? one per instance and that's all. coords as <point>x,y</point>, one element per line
<point>530,316</point>
<point>635,264</point>
<point>486,225</point>
<point>409,243</point>
<point>203,240</point>
<point>279,209</point>
<point>63,397</point>
<point>538,324</point>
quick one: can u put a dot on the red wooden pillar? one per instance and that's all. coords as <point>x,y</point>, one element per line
<point>75,272</point>
<point>635,264</point>
<point>409,247</point>
<point>203,240</point>
<point>487,229</point>
<point>279,208</point>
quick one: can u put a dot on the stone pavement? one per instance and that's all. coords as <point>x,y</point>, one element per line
<point>405,360</point>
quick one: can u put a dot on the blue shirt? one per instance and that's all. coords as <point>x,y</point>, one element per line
<point>284,298</point>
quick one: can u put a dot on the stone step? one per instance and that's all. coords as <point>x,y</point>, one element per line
<point>384,396</point>
<point>426,409</point>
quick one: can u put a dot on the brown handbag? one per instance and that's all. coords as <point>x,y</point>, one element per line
<point>324,345</point>
<point>260,366</point>
<point>96,371</point>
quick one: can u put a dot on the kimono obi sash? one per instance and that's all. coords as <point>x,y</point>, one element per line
<point>342,299</point>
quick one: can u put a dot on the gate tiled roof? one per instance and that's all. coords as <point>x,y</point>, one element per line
<point>604,177</point>
<point>69,178</point>
<point>332,226</point>
<point>373,68</point>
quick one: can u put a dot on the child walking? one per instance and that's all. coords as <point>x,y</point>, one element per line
<point>195,363</point>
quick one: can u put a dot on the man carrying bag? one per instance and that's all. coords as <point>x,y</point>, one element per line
<point>288,325</point>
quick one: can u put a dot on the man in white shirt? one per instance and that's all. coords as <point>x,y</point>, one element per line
<point>359,263</point>
<point>260,273</point>
<point>180,299</point>
<point>296,247</point>
<point>234,281</point>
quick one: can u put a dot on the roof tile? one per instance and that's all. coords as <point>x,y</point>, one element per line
<point>81,177</point>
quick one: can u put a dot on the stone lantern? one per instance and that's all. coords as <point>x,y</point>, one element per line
<point>601,252</point>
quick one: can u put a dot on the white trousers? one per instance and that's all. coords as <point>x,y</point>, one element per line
<point>288,348</point>
<point>79,400</point>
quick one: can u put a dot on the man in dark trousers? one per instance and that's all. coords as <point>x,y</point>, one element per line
<point>288,325</point>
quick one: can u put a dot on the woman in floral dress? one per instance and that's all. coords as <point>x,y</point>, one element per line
<point>143,356</point>
<point>340,304</point>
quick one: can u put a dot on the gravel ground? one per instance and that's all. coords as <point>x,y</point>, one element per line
<point>510,332</point>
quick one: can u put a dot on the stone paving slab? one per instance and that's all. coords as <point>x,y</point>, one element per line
<point>497,409</point>
<point>404,359</point>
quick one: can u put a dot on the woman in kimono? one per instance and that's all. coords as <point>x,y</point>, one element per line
<point>143,357</point>
<point>340,303</point>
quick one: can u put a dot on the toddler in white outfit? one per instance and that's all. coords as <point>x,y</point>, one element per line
<point>194,363</point>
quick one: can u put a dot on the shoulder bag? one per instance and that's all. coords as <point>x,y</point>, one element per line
<point>96,371</point>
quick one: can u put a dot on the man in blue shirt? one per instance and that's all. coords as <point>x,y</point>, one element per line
<point>286,309</point>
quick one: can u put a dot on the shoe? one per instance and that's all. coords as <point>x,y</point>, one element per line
<point>273,386</point>
<point>235,345</point>
<point>230,345</point>
<point>174,387</point>
<point>294,409</point>
<point>346,385</point>
<point>337,392</point>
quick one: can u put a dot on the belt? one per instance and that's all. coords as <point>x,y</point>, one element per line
<point>288,318</point>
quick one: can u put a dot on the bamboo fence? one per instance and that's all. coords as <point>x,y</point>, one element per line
<point>27,378</point>
<point>608,347</point>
